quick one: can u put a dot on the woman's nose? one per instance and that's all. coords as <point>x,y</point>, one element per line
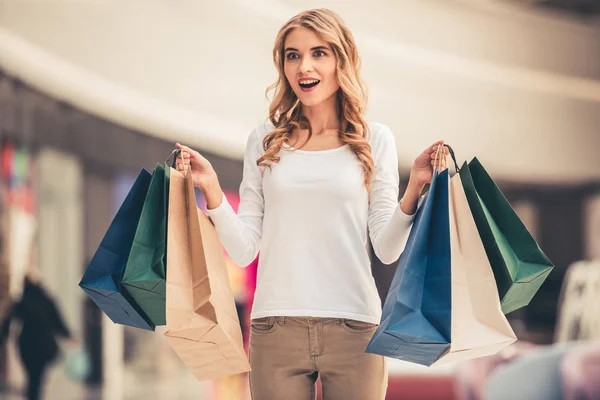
<point>305,65</point>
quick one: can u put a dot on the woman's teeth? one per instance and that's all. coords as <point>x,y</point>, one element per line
<point>309,84</point>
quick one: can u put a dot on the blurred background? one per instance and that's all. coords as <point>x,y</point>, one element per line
<point>92,91</point>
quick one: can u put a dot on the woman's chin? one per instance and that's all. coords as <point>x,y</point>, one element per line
<point>309,101</point>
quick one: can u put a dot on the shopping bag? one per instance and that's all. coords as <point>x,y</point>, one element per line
<point>102,278</point>
<point>519,265</point>
<point>77,363</point>
<point>144,275</point>
<point>202,322</point>
<point>478,325</point>
<point>415,322</point>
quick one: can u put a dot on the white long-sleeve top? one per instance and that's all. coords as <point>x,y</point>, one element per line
<point>310,217</point>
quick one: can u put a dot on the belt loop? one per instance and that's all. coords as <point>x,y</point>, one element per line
<point>337,321</point>
<point>280,320</point>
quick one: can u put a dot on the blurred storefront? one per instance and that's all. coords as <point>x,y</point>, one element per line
<point>64,175</point>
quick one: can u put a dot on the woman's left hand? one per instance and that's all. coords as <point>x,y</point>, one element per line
<point>422,170</point>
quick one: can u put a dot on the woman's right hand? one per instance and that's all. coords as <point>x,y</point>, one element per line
<point>203,174</point>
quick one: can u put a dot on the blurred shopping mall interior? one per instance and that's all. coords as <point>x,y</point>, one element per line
<point>92,91</point>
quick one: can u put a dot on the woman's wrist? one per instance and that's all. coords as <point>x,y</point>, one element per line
<point>211,189</point>
<point>410,200</point>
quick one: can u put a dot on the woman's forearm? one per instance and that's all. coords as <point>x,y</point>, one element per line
<point>410,200</point>
<point>212,192</point>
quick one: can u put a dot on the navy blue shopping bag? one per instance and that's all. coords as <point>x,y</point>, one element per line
<point>102,278</point>
<point>415,323</point>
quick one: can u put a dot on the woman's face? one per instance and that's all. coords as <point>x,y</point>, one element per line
<point>310,66</point>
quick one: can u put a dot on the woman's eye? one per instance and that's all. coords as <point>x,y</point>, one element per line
<point>319,53</point>
<point>292,56</point>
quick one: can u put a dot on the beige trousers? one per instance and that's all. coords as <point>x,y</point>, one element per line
<point>288,354</point>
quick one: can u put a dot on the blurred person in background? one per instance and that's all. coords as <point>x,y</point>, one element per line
<point>41,324</point>
<point>317,179</point>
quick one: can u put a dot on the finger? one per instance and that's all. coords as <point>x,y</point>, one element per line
<point>439,162</point>
<point>438,155</point>
<point>186,160</point>
<point>433,148</point>
<point>193,155</point>
<point>443,153</point>
<point>183,147</point>
<point>187,151</point>
<point>182,165</point>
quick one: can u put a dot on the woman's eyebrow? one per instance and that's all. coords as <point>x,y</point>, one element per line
<point>313,49</point>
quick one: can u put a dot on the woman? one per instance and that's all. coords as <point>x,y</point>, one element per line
<point>318,180</point>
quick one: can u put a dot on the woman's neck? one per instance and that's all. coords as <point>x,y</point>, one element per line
<point>322,117</point>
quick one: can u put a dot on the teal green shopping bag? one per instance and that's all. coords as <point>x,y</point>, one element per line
<point>519,265</point>
<point>145,272</point>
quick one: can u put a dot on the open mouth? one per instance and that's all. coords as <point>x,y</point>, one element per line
<point>308,84</point>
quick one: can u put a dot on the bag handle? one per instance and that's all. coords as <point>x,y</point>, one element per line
<point>453,157</point>
<point>174,154</point>
<point>439,154</point>
<point>437,161</point>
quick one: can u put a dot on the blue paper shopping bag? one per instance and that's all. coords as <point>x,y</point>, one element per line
<point>415,323</point>
<point>102,279</point>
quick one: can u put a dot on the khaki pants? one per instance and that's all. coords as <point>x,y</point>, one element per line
<point>287,354</point>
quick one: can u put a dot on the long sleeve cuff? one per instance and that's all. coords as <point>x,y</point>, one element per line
<point>392,243</point>
<point>221,213</point>
<point>236,239</point>
<point>405,216</point>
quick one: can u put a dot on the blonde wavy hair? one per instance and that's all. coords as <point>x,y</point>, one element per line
<point>285,111</point>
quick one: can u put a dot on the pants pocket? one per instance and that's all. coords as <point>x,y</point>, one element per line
<point>263,325</point>
<point>352,325</point>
